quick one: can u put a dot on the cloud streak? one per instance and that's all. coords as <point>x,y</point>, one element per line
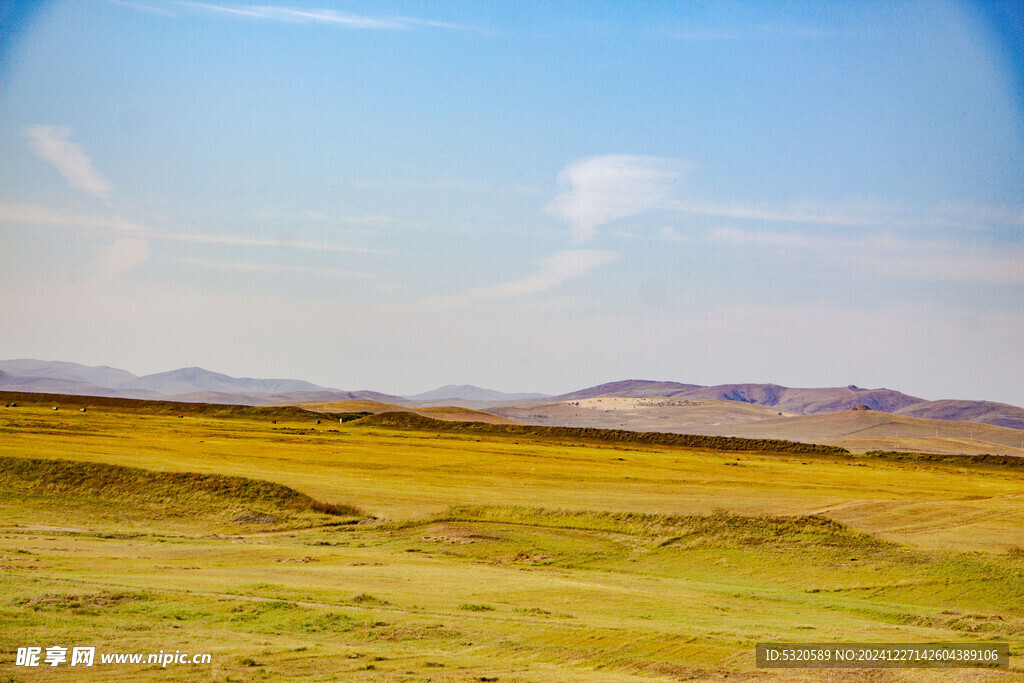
<point>53,144</point>
<point>554,271</point>
<point>895,257</point>
<point>29,214</point>
<point>204,238</point>
<point>602,189</point>
<point>606,188</point>
<point>274,268</point>
<point>297,15</point>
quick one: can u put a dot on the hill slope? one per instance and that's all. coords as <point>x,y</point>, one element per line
<point>803,401</point>
<point>468,392</point>
<point>987,412</point>
<point>186,384</point>
<point>187,380</point>
<point>100,375</point>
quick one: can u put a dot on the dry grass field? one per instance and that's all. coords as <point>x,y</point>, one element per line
<point>366,552</point>
<point>857,430</point>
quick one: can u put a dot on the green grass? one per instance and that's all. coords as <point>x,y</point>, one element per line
<point>714,530</point>
<point>521,557</point>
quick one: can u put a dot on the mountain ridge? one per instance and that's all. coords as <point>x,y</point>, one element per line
<point>806,401</point>
<point>469,392</point>
<point>195,384</point>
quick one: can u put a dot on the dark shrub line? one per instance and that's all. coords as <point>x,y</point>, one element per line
<point>404,420</point>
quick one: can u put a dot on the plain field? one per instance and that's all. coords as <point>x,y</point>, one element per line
<point>520,559</point>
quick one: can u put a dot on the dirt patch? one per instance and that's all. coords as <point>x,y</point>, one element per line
<point>255,518</point>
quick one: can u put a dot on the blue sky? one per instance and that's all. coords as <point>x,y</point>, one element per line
<point>523,196</point>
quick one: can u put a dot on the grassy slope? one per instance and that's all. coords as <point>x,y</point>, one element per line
<point>405,473</point>
<point>136,499</point>
<point>666,588</point>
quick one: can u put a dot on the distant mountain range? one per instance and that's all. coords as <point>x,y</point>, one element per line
<point>202,386</point>
<point>468,392</point>
<point>803,401</point>
<point>194,385</point>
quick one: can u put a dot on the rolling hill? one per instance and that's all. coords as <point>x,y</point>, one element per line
<point>987,412</point>
<point>812,401</point>
<point>803,401</point>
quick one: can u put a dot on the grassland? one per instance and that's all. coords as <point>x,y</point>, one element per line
<point>484,554</point>
<point>855,430</point>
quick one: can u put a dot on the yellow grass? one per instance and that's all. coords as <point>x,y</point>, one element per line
<point>554,564</point>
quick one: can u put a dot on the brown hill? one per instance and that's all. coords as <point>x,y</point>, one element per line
<point>808,401</point>
<point>796,400</point>
<point>986,412</point>
<point>630,388</point>
<point>865,430</point>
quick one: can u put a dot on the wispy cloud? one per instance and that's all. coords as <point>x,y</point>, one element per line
<point>554,270</point>
<point>32,214</point>
<point>274,268</point>
<point>602,189</point>
<point>862,214</point>
<point>29,214</point>
<point>143,7</point>
<point>893,257</point>
<point>803,212</point>
<point>242,241</point>
<point>130,248</point>
<point>53,144</point>
<point>712,34</point>
<point>297,15</point>
<point>606,188</point>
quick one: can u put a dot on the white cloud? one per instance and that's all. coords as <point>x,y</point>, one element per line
<point>554,270</point>
<point>130,248</point>
<point>296,15</point>
<point>605,188</point>
<point>53,144</point>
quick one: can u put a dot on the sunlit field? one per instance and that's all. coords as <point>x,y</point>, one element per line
<point>375,551</point>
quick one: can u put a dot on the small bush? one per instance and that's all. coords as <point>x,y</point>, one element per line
<point>367,599</point>
<point>476,608</point>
